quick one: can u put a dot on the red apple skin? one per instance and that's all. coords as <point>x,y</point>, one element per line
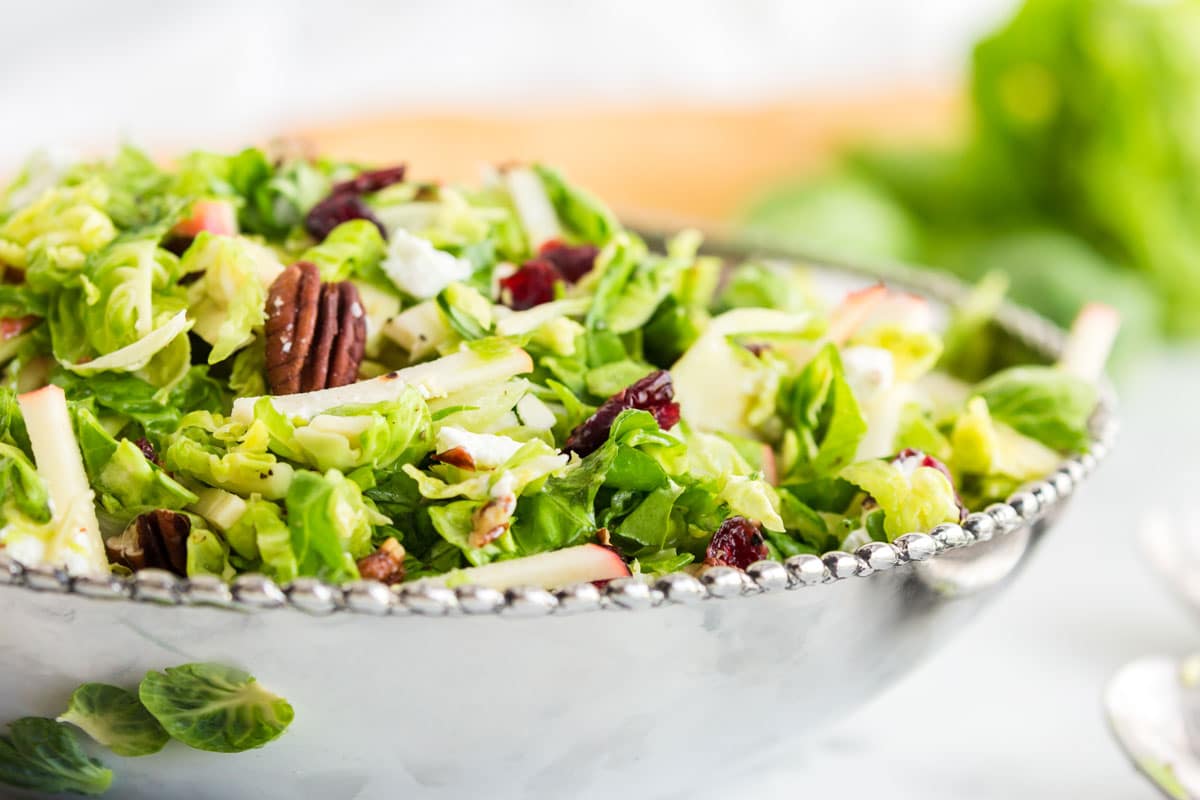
<point>906,309</point>
<point>612,564</point>
<point>769,468</point>
<point>583,563</point>
<point>45,394</point>
<point>1090,341</point>
<point>217,217</point>
<point>11,327</point>
<point>855,310</point>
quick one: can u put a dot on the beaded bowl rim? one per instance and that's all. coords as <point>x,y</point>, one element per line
<point>252,592</point>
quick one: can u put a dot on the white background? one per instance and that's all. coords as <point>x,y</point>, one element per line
<point>1011,708</point>
<point>221,71</point>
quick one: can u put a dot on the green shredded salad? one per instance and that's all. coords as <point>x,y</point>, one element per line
<point>309,368</point>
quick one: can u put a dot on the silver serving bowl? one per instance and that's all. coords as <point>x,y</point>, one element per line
<point>431,692</point>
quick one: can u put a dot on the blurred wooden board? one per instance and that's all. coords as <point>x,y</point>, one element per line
<point>703,163</point>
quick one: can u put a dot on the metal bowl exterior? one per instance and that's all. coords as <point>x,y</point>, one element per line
<point>581,693</point>
<point>482,705</point>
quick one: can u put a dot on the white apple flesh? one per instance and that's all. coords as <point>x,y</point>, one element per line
<point>533,205</point>
<point>1090,341</point>
<point>79,546</point>
<point>769,467</point>
<point>713,386</point>
<point>419,329</point>
<point>438,378</point>
<point>580,564</point>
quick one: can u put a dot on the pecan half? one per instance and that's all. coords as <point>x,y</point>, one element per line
<point>491,521</point>
<point>155,539</point>
<point>316,333</point>
<point>385,565</point>
<point>455,457</point>
<point>350,336</point>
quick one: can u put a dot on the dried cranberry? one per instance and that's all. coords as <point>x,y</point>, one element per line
<point>336,209</point>
<point>910,459</point>
<point>737,543</point>
<point>572,262</point>
<point>531,285</point>
<point>345,203</point>
<point>654,393</point>
<point>147,449</point>
<point>370,181</point>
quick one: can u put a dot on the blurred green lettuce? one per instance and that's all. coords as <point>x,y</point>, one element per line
<point>1080,177</point>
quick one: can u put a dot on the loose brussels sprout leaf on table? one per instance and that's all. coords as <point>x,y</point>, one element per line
<point>206,706</point>
<point>214,707</point>
<point>115,718</point>
<point>42,755</point>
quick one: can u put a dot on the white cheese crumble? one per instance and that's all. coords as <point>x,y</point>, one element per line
<point>487,450</point>
<point>420,269</point>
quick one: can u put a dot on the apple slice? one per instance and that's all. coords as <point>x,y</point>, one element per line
<point>462,370</point>
<point>1090,341</point>
<point>218,217</point>
<point>534,208</point>
<point>580,564</point>
<point>535,414</point>
<point>78,546</point>
<point>380,306</point>
<point>713,384</point>
<point>518,323</point>
<point>770,468</point>
<point>909,311</point>
<point>420,329</point>
<point>883,413</point>
<point>223,509</point>
<point>14,333</point>
<point>854,311</point>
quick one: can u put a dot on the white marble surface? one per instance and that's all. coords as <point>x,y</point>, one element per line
<point>1011,709</point>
